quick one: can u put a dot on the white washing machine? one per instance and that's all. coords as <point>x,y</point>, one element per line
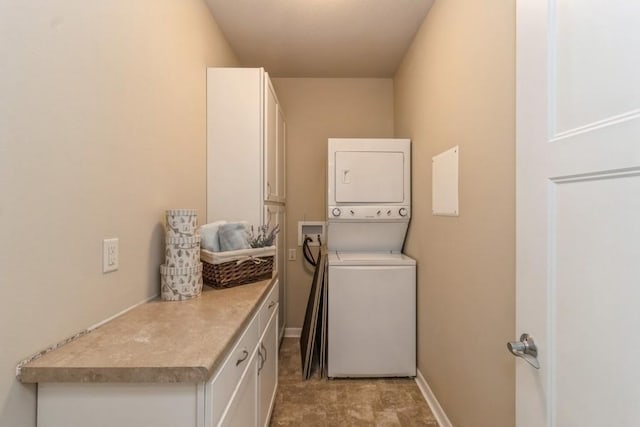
<point>372,285</point>
<point>372,315</point>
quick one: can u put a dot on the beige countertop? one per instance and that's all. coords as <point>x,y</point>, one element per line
<point>160,342</point>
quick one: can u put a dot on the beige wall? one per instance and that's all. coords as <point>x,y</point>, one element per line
<point>456,87</point>
<point>102,127</point>
<point>317,109</point>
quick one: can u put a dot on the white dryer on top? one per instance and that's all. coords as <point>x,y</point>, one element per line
<point>369,193</point>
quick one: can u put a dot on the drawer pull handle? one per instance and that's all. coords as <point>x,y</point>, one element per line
<point>261,361</point>
<point>263,357</point>
<point>271,304</point>
<point>245,354</point>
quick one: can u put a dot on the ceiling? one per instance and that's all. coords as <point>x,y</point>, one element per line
<point>320,38</point>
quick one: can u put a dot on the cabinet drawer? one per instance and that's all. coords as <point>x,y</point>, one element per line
<point>269,305</point>
<point>226,380</point>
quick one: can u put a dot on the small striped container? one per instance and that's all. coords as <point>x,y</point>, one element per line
<point>179,284</point>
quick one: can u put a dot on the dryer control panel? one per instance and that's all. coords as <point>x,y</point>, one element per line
<point>369,212</point>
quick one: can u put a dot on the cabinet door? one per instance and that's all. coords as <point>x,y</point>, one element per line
<point>276,214</point>
<point>268,370</point>
<point>235,185</point>
<point>281,251</point>
<point>273,216</point>
<point>243,409</point>
<point>224,383</point>
<point>281,151</point>
<point>120,404</point>
<point>270,143</point>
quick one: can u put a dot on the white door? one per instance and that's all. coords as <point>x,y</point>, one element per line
<point>578,211</point>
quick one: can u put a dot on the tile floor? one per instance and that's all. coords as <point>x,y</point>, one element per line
<point>344,402</point>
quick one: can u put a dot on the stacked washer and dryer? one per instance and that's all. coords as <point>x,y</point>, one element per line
<point>371,284</point>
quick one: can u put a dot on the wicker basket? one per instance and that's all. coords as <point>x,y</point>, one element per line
<point>232,268</point>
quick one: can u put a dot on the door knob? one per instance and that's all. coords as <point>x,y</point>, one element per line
<point>526,349</point>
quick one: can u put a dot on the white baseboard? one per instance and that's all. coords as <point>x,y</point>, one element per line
<point>438,412</point>
<point>292,332</point>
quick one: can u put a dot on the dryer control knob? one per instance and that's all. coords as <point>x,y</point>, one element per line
<point>389,212</point>
<point>352,212</point>
<point>403,212</point>
<point>336,212</point>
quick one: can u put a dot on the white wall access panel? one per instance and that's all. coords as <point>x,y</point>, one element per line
<point>444,195</point>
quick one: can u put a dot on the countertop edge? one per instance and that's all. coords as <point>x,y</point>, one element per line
<point>183,374</point>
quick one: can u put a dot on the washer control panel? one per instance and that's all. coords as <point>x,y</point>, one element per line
<point>369,212</point>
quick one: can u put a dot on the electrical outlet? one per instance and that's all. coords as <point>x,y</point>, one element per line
<point>292,254</point>
<point>110,255</point>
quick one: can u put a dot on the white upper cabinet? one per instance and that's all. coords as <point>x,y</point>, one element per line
<point>274,145</point>
<point>245,145</point>
<point>281,149</point>
<point>270,143</point>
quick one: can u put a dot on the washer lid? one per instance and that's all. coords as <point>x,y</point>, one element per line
<point>370,258</point>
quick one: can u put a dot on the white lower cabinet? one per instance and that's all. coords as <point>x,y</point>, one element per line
<point>221,391</point>
<point>277,215</point>
<point>268,370</point>
<point>240,394</point>
<point>254,397</point>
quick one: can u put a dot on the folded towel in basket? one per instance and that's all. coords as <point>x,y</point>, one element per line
<point>209,236</point>
<point>233,236</point>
